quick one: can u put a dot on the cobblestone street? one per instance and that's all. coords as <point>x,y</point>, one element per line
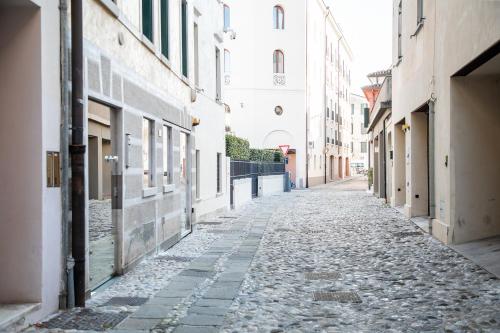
<point>330,259</point>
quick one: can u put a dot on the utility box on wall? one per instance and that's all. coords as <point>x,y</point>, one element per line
<point>53,169</point>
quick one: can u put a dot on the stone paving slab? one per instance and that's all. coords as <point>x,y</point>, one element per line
<point>202,320</point>
<point>152,311</point>
<point>138,324</point>
<point>195,329</point>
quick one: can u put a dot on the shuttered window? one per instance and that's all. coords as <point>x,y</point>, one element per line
<point>147,19</point>
<point>164,26</point>
<point>184,38</point>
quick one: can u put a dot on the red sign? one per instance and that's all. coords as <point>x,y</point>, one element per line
<point>284,149</point>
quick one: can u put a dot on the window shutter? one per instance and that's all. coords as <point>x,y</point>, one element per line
<point>164,16</point>
<point>147,19</point>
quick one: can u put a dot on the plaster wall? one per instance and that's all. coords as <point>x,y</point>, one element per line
<point>476,152</point>
<point>242,192</point>
<point>21,228</point>
<point>269,185</point>
<point>399,169</point>
<point>431,55</point>
<point>30,246</point>
<point>210,134</point>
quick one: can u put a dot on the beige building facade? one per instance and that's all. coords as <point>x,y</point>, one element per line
<point>446,76</point>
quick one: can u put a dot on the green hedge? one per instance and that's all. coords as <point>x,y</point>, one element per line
<point>239,149</point>
<point>266,155</point>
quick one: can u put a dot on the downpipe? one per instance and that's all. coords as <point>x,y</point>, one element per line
<point>67,296</point>
<point>432,162</point>
<point>77,150</point>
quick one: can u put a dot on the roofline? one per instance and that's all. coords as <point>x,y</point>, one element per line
<point>337,27</point>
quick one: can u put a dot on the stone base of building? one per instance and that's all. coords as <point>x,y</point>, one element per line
<point>315,181</point>
<point>440,230</point>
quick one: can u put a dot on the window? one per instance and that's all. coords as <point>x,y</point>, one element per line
<point>218,83</point>
<point>147,152</point>
<point>184,38</point>
<point>278,110</point>
<point>363,147</point>
<point>327,112</point>
<point>227,17</point>
<point>147,19</point>
<point>279,62</point>
<point>420,11</point>
<point>352,109</point>
<point>400,27</point>
<point>219,173</point>
<point>167,155</point>
<point>227,61</point>
<point>278,18</point>
<point>196,56</point>
<point>164,26</point>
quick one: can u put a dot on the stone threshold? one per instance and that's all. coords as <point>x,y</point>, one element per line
<point>485,253</point>
<point>15,314</point>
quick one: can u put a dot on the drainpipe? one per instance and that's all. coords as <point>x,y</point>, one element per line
<point>77,150</point>
<point>67,297</point>
<point>432,163</point>
<point>338,93</point>
<point>307,100</point>
<point>324,97</point>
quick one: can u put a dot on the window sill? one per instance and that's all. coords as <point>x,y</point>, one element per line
<point>219,194</point>
<point>149,44</point>
<point>168,188</point>
<point>165,61</point>
<point>149,192</point>
<point>420,25</point>
<point>400,59</point>
<point>111,6</point>
<point>185,80</point>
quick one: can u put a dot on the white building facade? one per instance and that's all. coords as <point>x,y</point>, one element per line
<point>287,82</point>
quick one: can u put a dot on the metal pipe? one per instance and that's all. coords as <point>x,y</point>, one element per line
<point>432,164</point>
<point>324,97</point>
<point>307,99</point>
<point>77,150</point>
<point>67,290</point>
<point>338,96</point>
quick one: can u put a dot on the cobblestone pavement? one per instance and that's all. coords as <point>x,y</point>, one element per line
<point>330,259</point>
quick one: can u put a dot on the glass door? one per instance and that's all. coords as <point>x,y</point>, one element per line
<point>184,184</point>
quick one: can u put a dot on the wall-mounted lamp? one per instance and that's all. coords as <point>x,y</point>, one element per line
<point>405,128</point>
<point>195,121</point>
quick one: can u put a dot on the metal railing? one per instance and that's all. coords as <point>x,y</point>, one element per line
<point>251,169</point>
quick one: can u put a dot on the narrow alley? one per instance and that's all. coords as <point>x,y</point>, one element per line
<point>329,259</point>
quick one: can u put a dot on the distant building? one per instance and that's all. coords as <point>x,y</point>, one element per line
<point>380,133</point>
<point>359,137</point>
<point>288,79</point>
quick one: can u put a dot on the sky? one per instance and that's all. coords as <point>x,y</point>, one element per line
<point>367,26</point>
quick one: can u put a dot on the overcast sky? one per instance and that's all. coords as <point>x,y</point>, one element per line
<point>367,25</point>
